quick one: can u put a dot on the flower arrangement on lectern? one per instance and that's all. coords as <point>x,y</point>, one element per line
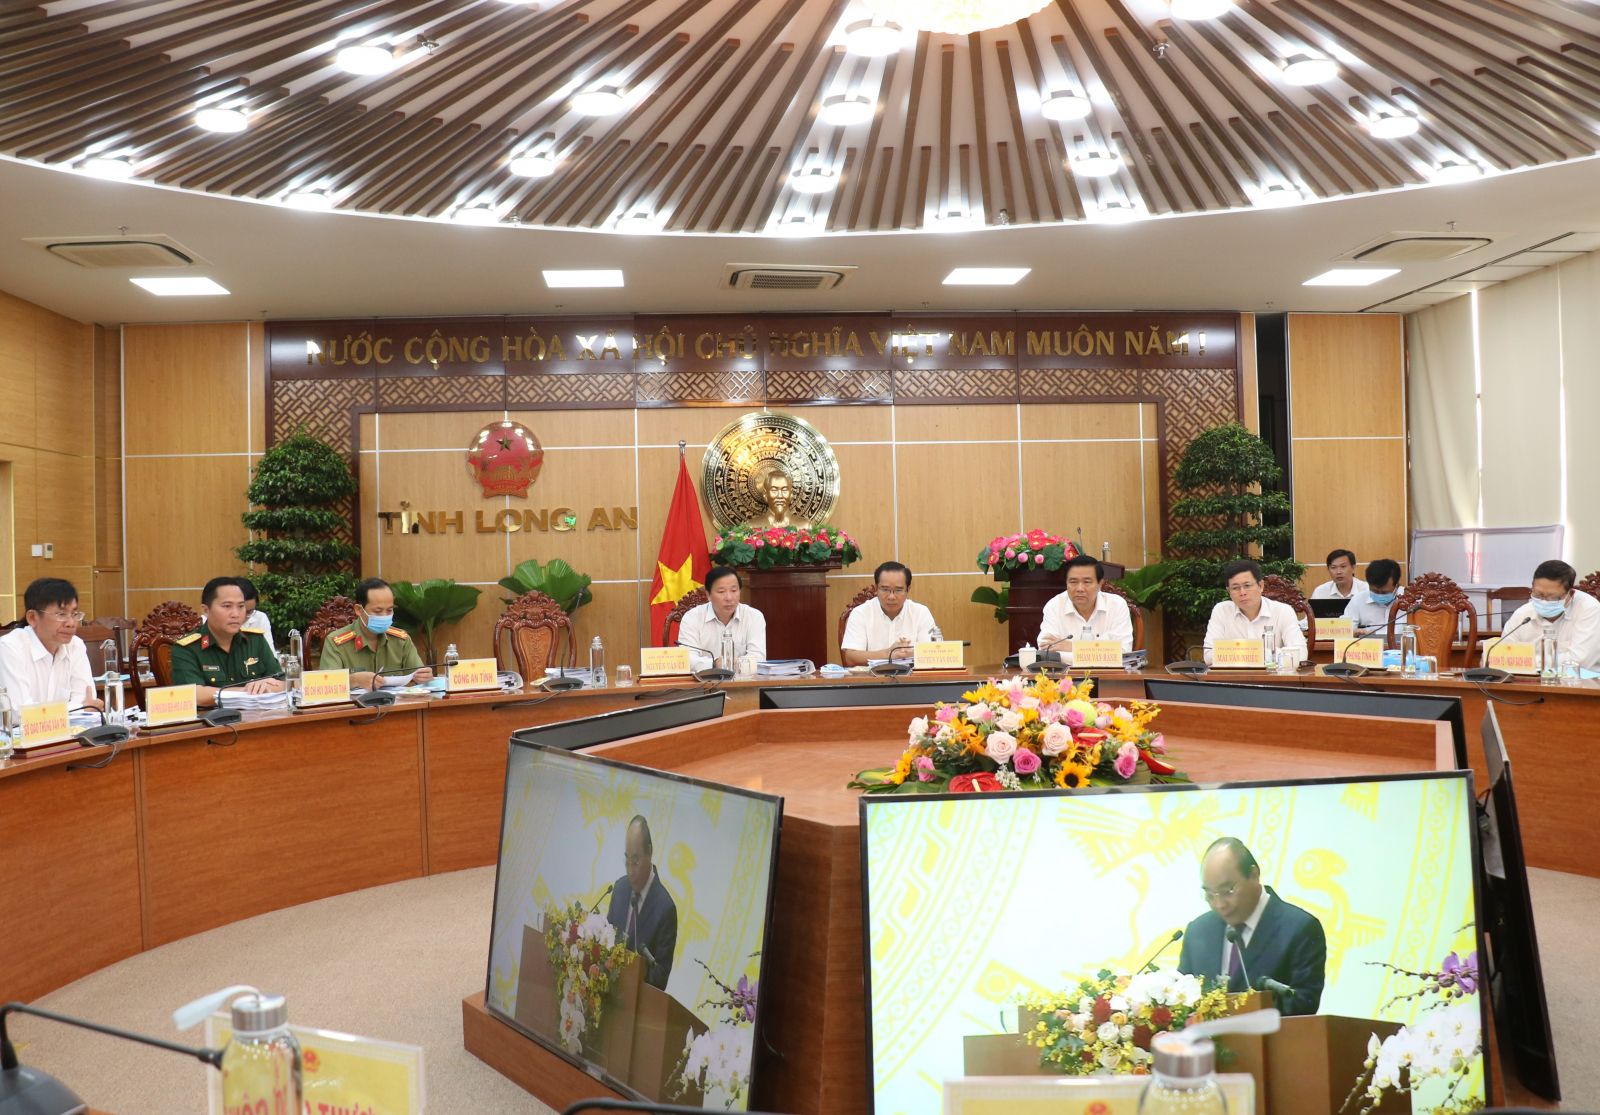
<point>1026,734</point>
<point>586,960</point>
<point>772,547</point>
<point>716,1063</point>
<point>1035,550</point>
<point>1104,1025</point>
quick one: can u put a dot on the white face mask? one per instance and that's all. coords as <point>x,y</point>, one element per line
<point>1550,609</point>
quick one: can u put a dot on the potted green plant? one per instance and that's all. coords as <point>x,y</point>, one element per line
<point>298,487</point>
<point>425,607</point>
<point>557,580</point>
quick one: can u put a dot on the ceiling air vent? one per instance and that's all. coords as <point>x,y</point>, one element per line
<point>1418,247</point>
<point>766,276</point>
<point>100,252</point>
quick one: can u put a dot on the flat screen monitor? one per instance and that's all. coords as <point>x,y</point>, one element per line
<point>1522,1015</point>
<point>865,693</point>
<point>975,902</point>
<point>631,911</point>
<point>608,727</point>
<point>1351,701</point>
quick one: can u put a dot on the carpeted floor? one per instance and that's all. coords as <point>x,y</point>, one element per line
<point>435,933</point>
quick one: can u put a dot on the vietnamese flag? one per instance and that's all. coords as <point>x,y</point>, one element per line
<point>682,564</point>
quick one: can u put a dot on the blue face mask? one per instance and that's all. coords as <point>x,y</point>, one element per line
<point>1384,598</point>
<point>1550,609</point>
<point>379,624</point>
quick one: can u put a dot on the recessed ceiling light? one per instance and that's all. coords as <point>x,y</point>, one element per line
<point>844,109</point>
<point>1200,9</point>
<point>480,214</point>
<point>1117,213</point>
<point>1454,170</point>
<point>317,201</point>
<point>813,181</point>
<point>799,226</point>
<point>173,287</point>
<point>986,276</point>
<point>596,277</point>
<point>1096,164</point>
<point>1389,125</point>
<point>956,220</point>
<point>604,101</point>
<point>228,120</point>
<point>107,166</point>
<point>1352,276</point>
<point>1309,69</point>
<point>366,59</point>
<point>1065,105</point>
<point>638,224</point>
<point>1277,195</point>
<point>872,39</point>
<point>533,165</point>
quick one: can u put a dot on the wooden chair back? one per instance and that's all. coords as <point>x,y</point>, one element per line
<point>537,629</point>
<point>860,598</point>
<point>1508,599</point>
<point>336,612</point>
<point>669,626</point>
<point>1591,584</point>
<point>1284,591</point>
<point>94,636</point>
<point>1435,605</point>
<point>1133,610</point>
<point>165,625</point>
<point>123,630</point>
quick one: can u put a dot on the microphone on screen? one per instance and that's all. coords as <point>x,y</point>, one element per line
<point>595,909</point>
<point>1236,935</point>
<point>1149,965</point>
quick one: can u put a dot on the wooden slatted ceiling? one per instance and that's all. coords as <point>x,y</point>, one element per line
<point>724,100</point>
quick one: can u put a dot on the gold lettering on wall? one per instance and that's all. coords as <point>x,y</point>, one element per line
<point>509,520</point>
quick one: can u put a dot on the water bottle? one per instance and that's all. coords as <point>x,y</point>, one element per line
<point>597,664</point>
<point>1086,632</point>
<point>1184,1080</point>
<point>451,657</point>
<point>261,1066</point>
<point>291,678</point>
<point>727,657</point>
<point>297,646</point>
<point>1408,650</point>
<point>8,718</point>
<point>1549,659</point>
<point>112,680</point>
<point>1269,646</point>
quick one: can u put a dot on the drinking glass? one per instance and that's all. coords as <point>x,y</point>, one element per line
<point>624,675</point>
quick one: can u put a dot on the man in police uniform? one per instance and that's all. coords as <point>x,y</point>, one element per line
<point>372,649</point>
<point>219,653</point>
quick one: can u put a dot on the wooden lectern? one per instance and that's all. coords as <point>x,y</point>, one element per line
<point>642,1031</point>
<point>794,600</point>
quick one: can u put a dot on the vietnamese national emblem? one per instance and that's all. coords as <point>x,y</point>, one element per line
<point>505,458</point>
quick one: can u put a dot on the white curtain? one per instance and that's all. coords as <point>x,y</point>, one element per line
<point>1519,346</point>
<point>1580,358</point>
<point>1443,411</point>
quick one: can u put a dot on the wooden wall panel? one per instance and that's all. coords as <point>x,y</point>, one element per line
<point>1081,421</point>
<point>1096,486</point>
<point>584,479</point>
<point>183,516</point>
<point>952,498</point>
<point>446,432</point>
<point>1347,431</point>
<point>203,366</point>
<point>576,427</point>
<point>988,422</point>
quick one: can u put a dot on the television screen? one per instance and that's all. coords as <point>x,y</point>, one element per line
<point>630,914</point>
<point>1011,933</point>
<point>1516,978</point>
<point>1351,700</point>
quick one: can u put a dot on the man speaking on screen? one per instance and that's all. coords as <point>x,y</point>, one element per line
<point>1251,937</point>
<point>643,912</point>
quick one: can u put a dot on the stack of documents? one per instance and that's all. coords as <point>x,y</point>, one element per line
<point>254,702</point>
<point>785,668</point>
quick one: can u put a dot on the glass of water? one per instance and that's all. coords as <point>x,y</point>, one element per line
<point>624,675</point>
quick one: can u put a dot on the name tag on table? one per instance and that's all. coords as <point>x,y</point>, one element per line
<point>1336,629</point>
<point>946,655</point>
<point>660,662</point>
<point>1097,654</point>
<point>1236,654</point>
<point>324,687</point>
<point>1359,652</point>
<point>42,724</point>
<point>170,704</point>
<point>1516,658</point>
<point>472,675</point>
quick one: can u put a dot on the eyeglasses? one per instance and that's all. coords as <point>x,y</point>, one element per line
<point>890,590</point>
<point>1221,893</point>
<point>63,617</point>
<point>634,859</point>
<point>1246,587</point>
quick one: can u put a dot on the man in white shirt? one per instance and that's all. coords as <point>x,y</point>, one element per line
<point>1246,614</point>
<point>891,625</point>
<point>254,618</point>
<point>1344,584</point>
<point>703,627</point>
<point>1084,612</point>
<point>1556,609</point>
<point>1369,607</point>
<point>45,661</point>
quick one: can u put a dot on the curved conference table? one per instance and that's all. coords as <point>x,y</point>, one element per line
<point>192,829</point>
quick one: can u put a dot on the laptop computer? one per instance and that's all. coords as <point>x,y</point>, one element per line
<point>1329,608</point>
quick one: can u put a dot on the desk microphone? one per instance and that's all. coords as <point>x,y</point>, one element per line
<point>375,697</point>
<point>561,681</point>
<point>105,734</point>
<point>1491,675</point>
<point>220,717</point>
<point>1189,667</point>
<point>1149,965</point>
<point>595,909</point>
<point>891,668</point>
<point>712,672</point>
<point>1236,935</point>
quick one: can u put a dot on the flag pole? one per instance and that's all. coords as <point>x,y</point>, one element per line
<point>682,446</point>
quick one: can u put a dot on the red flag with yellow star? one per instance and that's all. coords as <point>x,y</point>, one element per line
<point>682,564</point>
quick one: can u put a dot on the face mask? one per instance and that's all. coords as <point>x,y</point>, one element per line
<point>1550,609</point>
<point>379,624</point>
<point>1384,598</point>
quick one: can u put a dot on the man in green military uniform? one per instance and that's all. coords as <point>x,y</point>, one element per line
<point>219,653</point>
<point>372,648</point>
